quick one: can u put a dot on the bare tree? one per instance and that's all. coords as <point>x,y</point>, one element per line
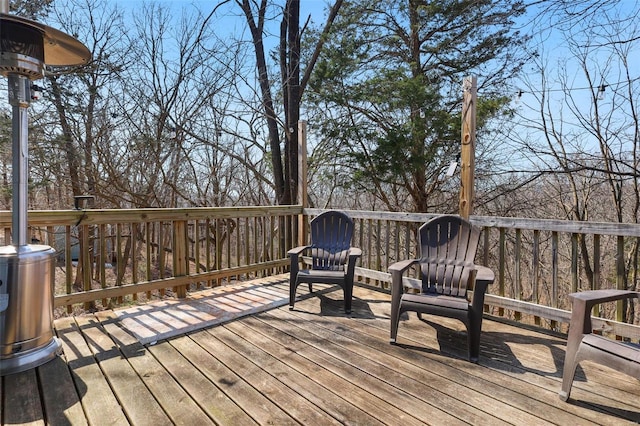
<point>284,150</point>
<point>579,127</point>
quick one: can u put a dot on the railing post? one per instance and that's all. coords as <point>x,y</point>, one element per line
<point>180,254</point>
<point>467,154</point>
<point>302,181</point>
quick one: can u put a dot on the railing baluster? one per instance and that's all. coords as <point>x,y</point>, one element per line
<point>535,271</point>
<point>149,254</point>
<point>102,259</point>
<point>574,262</point>
<point>595,284</point>
<point>620,278</point>
<point>517,274</point>
<point>68,263</point>
<point>501,267</point>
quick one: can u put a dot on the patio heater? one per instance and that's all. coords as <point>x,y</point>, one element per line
<point>27,270</point>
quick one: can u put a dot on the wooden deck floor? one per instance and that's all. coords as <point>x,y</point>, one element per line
<point>310,366</point>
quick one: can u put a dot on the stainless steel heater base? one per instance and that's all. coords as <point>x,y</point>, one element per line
<point>26,307</point>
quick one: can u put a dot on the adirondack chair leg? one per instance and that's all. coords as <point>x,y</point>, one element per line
<point>474,328</point>
<point>348,295</point>
<point>292,294</point>
<point>473,340</point>
<point>580,315</point>
<point>567,379</point>
<point>396,294</point>
<point>293,279</point>
<point>395,319</point>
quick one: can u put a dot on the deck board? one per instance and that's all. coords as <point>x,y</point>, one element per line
<point>256,405</point>
<point>61,407</point>
<point>280,363</point>
<point>181,357</point>
<point>173,399</point>
<point>236,356</point>
<point>98,401</point>
<point>22,402</point>
<point>459,383</point>
<point>139,405</point>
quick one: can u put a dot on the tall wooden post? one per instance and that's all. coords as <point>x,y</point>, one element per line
<point>467,154</point>
<point>302,180</point>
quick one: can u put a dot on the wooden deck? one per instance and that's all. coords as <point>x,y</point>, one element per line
<point>311,366</point>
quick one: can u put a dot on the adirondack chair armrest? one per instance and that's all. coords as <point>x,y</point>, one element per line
<point>584,301</point>
<point>294,255</point>
<point>401,266</point>
<point>297,251</point>
<point>397,270</point>
<point>354,253</point>
<point>484,278</point>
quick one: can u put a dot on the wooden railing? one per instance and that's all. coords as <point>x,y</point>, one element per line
<point>537,262</point>
<point>114,257</point>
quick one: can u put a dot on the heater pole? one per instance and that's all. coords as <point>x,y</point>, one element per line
<point>19,96</point>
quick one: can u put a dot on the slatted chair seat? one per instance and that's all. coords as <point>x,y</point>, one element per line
<point>447,247</point>
<point>415,301</point>
<point>583,344</point>
<point>333,260</point>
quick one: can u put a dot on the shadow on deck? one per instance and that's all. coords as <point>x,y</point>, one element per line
<point>235,356</point>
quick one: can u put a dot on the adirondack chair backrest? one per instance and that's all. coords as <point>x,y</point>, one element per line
<point>448,247</point>
<point>330,239</point>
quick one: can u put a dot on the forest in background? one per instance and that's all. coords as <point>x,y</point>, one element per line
<point>198,105</point>
<point>187,105</point>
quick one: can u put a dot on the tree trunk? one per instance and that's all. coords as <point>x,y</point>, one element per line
<point>267,100</point>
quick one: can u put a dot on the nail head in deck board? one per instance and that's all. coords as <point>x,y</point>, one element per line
<point>137,402</point>
<point>98,401</point>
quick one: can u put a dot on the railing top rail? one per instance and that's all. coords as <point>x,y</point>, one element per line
<point>111,216</point>
<point>601,228</point>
